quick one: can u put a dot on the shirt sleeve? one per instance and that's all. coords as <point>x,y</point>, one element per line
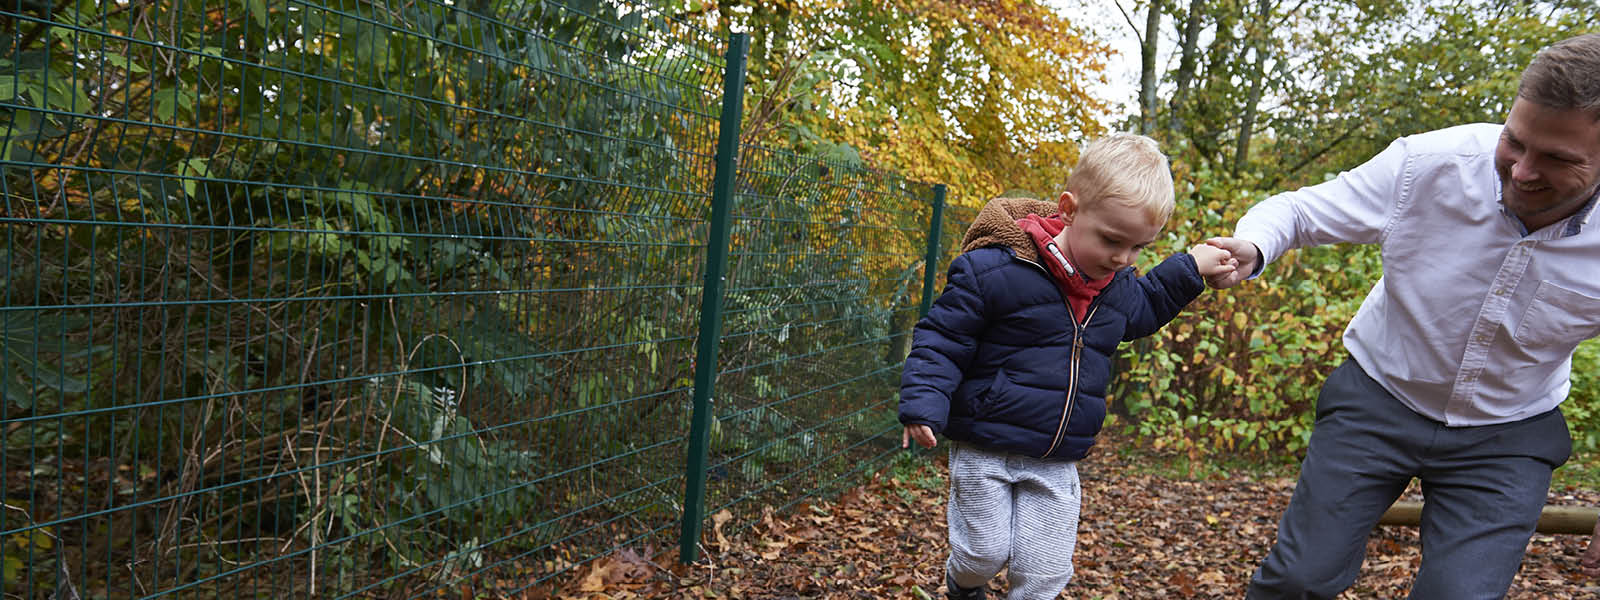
<point>1355,207</point>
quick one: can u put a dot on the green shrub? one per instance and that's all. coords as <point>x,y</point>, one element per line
<point>1583,415</point>
<point>1240,369</point>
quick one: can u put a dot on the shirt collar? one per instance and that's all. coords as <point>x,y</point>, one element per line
<point>1579,219</point>
<point>1575,223</point>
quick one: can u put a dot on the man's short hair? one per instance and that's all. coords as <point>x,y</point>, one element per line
<point>1565,75</point>
<point>1127,168</point>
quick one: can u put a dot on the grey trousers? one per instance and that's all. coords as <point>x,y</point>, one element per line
<point>1483,488</point>
<point>1008,509</point>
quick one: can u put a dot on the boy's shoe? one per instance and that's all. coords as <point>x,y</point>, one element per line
<point>955,592</point>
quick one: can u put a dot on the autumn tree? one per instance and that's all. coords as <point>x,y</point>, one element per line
<point>983,95</point>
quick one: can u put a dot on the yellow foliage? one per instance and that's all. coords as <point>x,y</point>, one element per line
<point>983,96</point>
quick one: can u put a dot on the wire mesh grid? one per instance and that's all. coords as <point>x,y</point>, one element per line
<point>824,281</point>
<point>347,298</point>
<point>382,298</point>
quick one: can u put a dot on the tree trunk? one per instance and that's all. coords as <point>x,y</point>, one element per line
<point>1258,39</point>
<point>1147,69</point>
<point>1207,120</point>
<point>1189,55</point>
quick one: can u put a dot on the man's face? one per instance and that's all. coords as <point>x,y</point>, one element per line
<point>1548,161</point>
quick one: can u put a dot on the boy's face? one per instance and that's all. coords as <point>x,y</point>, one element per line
<point>1106,237</point>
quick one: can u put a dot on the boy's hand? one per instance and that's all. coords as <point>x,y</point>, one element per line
<point>1215,264</point>
<point>921,433</point>
<point>1246,256</point>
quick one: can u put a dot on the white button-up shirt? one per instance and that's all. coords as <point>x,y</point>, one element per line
<point>1475,318</point>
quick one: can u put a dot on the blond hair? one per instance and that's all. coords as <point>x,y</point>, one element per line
<point>1565,75</point>
<point>1128,168</point>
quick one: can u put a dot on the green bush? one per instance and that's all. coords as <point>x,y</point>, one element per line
<point>1583,415</point>
<point>1240,369</point>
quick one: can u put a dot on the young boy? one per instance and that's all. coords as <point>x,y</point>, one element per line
<point>1013,360</point>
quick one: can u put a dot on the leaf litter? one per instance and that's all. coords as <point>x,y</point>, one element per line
<point>1141,535</point>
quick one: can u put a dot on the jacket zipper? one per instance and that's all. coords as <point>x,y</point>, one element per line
<point>1072,366</point>
<point>1072,377</point>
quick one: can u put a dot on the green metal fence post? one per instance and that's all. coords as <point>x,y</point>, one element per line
<point>935,228</point>
<point>705,362</point>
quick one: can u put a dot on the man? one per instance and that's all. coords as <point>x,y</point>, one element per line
<point>1461,352</point>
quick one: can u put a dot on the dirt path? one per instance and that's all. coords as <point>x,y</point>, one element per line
<point>1141,536</point>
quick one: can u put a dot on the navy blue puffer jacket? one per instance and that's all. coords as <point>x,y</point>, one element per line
<point>999,361</point>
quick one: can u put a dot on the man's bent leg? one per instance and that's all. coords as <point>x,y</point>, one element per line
<point>1484,488</point>
<point>1361,457</point>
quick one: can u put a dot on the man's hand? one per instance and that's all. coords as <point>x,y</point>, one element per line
<point>921,433</point>
<point>1591,557</point>
<point>1247,255</point>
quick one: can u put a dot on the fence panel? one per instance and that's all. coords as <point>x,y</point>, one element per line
<point>333,298</point>
<point>824,283</point>
<point>322,299</point>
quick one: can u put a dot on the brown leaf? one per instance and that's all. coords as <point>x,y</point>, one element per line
<point>717,520</point>
<point>1140,536</point>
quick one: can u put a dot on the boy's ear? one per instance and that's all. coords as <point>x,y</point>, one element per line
<point>1068,205</point>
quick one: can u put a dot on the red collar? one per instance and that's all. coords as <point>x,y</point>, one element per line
<point>1077,290</point>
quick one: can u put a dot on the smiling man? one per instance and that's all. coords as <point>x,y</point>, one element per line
<point>1460,355</point>
<point>1547,159</point>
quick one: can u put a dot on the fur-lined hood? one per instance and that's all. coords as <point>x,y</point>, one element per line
<point>996,225</point>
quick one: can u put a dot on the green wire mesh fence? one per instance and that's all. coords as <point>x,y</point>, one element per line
<point>354,298</point>
<point>824,284</point>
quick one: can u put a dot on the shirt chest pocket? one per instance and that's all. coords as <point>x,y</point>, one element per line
<point>1559,318</point>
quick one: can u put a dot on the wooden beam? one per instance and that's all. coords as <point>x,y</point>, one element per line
<point>1578,520</point>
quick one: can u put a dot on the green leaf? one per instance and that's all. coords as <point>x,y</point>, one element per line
<point>53,379</point>
<point>165,106</point>
<point>16,394</point>
<point>193,168</point>
<point>66,94</point>
<point>122,62</point>
<point>258,11</point>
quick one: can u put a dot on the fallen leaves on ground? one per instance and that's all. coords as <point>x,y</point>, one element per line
<point>1140,536</point>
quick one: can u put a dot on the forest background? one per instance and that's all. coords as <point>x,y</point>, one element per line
<point>1248,98</point>
<point>325,297</point>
